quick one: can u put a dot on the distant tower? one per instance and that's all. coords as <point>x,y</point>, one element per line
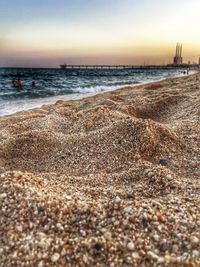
<point>178,57</point>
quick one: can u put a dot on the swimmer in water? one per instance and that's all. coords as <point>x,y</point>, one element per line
<point>33,84</point>
<point>18,83</point>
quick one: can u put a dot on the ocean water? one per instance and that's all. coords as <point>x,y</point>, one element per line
<point>55,84</point>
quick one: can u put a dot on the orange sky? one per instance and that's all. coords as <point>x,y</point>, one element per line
<point>48,33</point>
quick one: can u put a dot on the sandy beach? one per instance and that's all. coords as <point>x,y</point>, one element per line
<point>109,180</point>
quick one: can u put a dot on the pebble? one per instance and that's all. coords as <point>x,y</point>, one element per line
<point>68,197</point>
<point>142,253</point>
<point>156,237</point>
<point>131,246</point>
<point>160,218</point>
<point>63,252</point>
<point>161,260</point>
<point>85,259</point>
<point>3,195</point>
<point>108,235</point>
<point>150,174</point>
<point>60,226</point>
<point>135,255</point>
<point>83,233</point>
<point>18,174</point>
<point>152,255</point>
<point>194,240</point>
<point>169,177</point>
<point>117,200</point>
<point>175,248</point>
<point>19,228</point>
<point>128,210</point>
<point>193,164</point>
<point>164,162</point>
<point>55,257</point>
<point>196,253</point>
<point>41,264</point>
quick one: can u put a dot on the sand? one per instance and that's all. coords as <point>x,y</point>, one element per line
<point>109,180</point>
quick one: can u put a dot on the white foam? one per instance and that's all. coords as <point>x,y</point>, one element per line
<point>10,107</point>
<point>96,89</point>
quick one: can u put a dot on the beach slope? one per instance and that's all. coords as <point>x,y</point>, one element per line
<point>109,180</point>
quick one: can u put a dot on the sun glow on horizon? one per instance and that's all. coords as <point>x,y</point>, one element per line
<point>99,32</point>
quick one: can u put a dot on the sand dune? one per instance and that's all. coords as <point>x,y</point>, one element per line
<point>110,180</point>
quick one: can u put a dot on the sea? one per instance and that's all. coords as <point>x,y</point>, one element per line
<point>65,84</point>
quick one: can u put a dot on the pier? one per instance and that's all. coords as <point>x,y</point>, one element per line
<point>170,66</point>
<point>177,64</point>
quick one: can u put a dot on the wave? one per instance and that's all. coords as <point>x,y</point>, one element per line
<point>62,90</point>
<point>53,85</point>
<point>12,106</point>
<point>97,88</point>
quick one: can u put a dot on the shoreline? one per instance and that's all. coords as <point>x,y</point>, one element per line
<point>108,180</point>
<point>39,102</point>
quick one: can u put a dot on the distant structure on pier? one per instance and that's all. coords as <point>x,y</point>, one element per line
<point>178,60</point>
<point>63,66</point>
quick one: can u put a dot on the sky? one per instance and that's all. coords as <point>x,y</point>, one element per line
<point>46,33</point>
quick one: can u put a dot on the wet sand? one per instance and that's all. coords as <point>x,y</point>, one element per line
<point>109,180</point>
